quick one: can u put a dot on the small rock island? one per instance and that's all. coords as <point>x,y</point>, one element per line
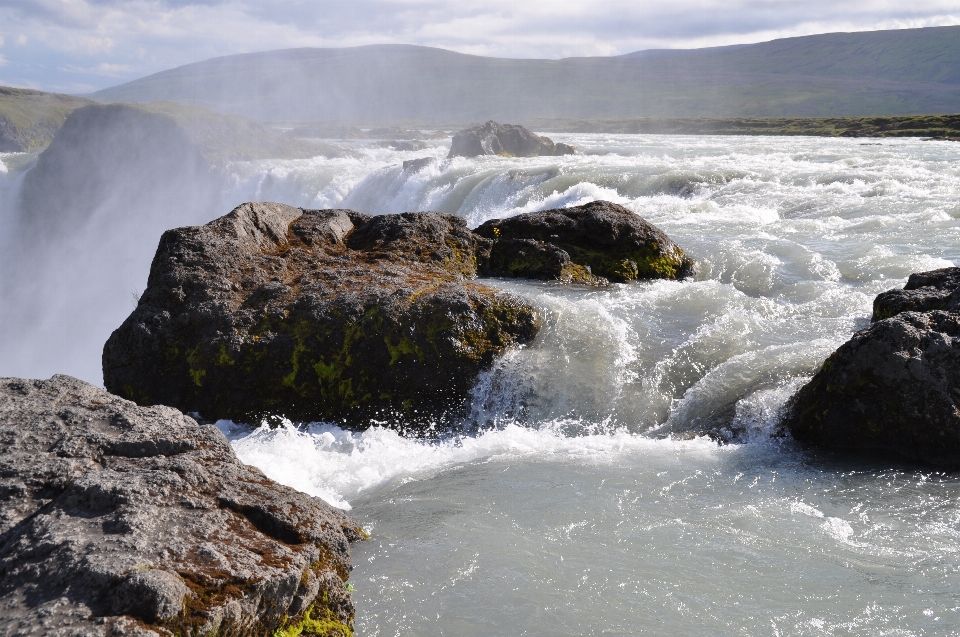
<point>508,140</point>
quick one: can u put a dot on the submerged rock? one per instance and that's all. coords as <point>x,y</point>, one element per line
<point>894,386</point>
<point>126,520</point>
<point>316,315</point>
<point>592,243</point>
<point>504,139</point>
<point>416,165</point>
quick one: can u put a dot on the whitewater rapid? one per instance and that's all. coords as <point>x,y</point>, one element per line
<point>589,503</point>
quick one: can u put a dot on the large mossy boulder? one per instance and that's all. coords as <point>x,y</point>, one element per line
<point>593,243</point>
<point>316,315</point>
<point>895,386</point>
<point>117,519</point>
<point>508,140</point>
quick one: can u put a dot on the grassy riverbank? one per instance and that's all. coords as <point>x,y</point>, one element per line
<point>935,126</point>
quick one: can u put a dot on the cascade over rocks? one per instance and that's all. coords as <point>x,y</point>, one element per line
<point>894,386</point>
<point>593,243</point>
<point>316,315</point>
<point>504,139</point>
<point>333,315</point>
<point>119,520</point>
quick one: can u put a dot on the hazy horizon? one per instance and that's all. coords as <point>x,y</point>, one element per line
<point>87,45</point>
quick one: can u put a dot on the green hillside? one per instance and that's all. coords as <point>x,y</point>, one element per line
<point>29,119</point>
<point>928,126</point>
<point>902,72</point>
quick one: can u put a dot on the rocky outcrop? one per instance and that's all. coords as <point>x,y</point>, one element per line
<point>507,140</point>
<point>125,520</point>
<point>593,243</point>
<point>895,386</point>
<point>924,291</point>
<point>316,315</point>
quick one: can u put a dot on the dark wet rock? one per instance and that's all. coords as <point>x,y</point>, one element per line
<point>585,243</point>
<point>504,139</point>
<point>893,387</point>
<point>416,165</point>
<point>316,315</point>
<point>403,145</point>
<point>924,291</point>
<point>125,520</point>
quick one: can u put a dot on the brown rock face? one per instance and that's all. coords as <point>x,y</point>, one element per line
<point>504,139</point>
<point>316,315</point>
<point>124,520</point>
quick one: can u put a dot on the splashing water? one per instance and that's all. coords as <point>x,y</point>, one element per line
<point>589,502</point>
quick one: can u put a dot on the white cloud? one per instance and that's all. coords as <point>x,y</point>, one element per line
<point>105,69</point>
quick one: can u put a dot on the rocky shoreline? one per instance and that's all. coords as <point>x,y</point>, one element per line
<point>127,520</point>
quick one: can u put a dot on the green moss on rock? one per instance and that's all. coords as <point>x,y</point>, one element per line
<point>593,243</point>
<point>334,316</point>
<point>316,623</point>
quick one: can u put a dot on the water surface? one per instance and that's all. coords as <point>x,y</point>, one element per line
<point>590,504</point>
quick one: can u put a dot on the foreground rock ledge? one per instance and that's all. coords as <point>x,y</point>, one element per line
<point>895,386</point>
<point>316,315</point>
<point>124,520</point>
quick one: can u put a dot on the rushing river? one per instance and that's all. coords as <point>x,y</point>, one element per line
<point>576,513</point>
<point>589,505</point>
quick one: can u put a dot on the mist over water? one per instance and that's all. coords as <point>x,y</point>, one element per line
<point>588,502</point>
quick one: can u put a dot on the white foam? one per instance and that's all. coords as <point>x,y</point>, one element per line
<point>338,465</point>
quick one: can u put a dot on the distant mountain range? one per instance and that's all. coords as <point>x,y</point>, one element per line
<point>910,71</point>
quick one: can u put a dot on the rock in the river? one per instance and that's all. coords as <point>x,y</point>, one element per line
<point>416,165</point>
<point>894,386</point>
<point>316,315</point>
<point>591,243</point>
<point>924,291</point>
<point>508,140</point>
<point>124,520</point>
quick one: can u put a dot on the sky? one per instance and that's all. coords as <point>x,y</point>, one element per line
<point>79,46</point>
